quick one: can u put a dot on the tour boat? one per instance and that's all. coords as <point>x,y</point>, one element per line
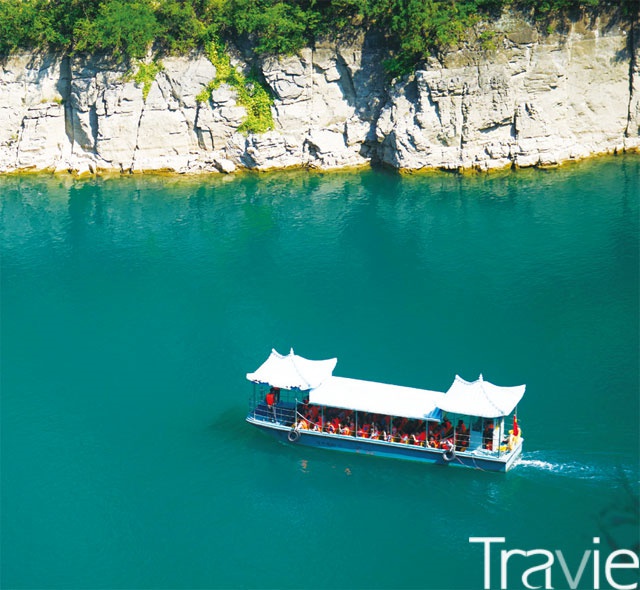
<point>474,424</point>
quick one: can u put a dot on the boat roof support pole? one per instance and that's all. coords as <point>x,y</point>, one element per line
<point>456,436</point>
<point>254,405</point>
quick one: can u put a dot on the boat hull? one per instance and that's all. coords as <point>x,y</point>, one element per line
<point>484,461</point>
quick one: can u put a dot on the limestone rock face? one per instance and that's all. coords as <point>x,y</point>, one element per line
<point>32,116</point>
<point>632,132</point>
<point>328,99</point>
<point>530,100</point>
<point>42,132</point>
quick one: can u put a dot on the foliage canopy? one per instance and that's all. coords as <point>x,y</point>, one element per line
<point>129,28</point>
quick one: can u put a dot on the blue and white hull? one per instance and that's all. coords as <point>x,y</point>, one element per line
<point>486,461</point>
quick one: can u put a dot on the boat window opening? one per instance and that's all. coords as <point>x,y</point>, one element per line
<point>290,412</point>
<point>389,429</point>
<point>301,415</point>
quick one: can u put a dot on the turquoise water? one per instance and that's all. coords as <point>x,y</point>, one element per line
<point>133,307</point>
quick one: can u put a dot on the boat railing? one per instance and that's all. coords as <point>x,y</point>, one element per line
<point>281,413</point>
<point>305,423</point>
<point>457,442</point>
<point>286,413</point>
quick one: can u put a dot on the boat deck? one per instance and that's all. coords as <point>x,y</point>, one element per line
<point>280,420</point>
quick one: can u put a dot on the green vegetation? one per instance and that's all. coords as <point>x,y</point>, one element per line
<point>145,74</point>
<point>130,28</point>
<point>123,28</point>
<point>257,100</point>
<point>251,93</point>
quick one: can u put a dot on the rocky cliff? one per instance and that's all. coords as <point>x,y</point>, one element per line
<point>529,99</point>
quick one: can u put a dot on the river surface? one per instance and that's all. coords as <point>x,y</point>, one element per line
<point>132,308</point>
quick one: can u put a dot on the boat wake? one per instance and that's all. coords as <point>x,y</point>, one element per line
<point>598,470</point>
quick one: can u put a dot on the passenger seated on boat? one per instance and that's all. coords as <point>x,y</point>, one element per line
<point>317,424</point>
<point>487,435</point>
<point>432,442</point>
<point>420,438</point>
<point>462,436</point>
<point>404,438</point>
<point>447,429</point>
<point>419,433</point>
<point>375,433</point>
<point>303,424</point>
<point>446,443</point>
<point>344,429</point>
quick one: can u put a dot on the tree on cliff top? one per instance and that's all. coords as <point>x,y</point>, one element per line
<point>121,27</point>
<point>414,29</point>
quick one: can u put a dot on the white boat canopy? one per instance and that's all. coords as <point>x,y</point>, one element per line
<point>292,371</point>
<point>481,398</point>
<point>377,398</point>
